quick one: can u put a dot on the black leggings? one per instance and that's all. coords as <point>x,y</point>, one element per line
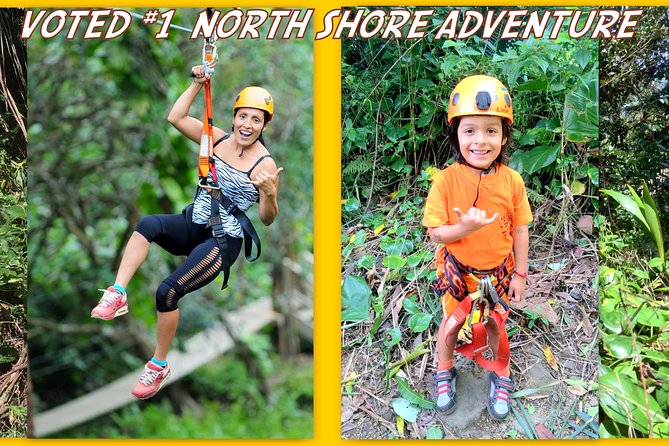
<point>178,235</point>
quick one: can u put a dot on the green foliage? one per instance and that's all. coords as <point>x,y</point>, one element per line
<point>434,433</point>
<point>634,310</point>
<point>626,403</point>
<point>396,101</point>
<point>534,318</point>
<point>355,295</point>
<point>13,249</point>
<point>405,409</point>
<point>412,396</point>
<point>635,109</point>
<point>633,283</point>
<point>418,321</point>
<point>102,156</point>
<point>13,255</point>
<point>644,212</point>
<point>395,138</point>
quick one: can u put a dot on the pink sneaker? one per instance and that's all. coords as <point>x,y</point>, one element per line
<point>152,380</point>
<point>111,304</point>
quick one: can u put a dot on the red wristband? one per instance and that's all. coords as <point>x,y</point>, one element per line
<point>523,275</point>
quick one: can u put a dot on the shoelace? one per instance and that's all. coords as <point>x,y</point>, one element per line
<point>444,380</point>
<point>148,376</point>
<point>503,388</point>
<point>108,298</point>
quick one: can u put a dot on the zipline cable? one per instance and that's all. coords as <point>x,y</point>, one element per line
<point>209,55</point>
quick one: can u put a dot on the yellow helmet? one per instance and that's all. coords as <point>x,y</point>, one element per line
<point>480,95</point>
<point>255,97</point>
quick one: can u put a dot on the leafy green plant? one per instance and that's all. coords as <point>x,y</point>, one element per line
<point>644,211</point>
<point>355,299</point>
<point>534,318</point>
<point>418,321</point>
<point>633,281</point>
<point>13,222</point>
<point>634,315</point>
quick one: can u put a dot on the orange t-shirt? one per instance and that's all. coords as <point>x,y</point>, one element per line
<point>502,192</point>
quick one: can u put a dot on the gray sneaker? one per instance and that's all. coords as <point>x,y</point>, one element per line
<point>444,390</point>
<point>499,396</point>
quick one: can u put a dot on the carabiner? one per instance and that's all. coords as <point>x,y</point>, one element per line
<point>208,183</point>
<point>209,55</point>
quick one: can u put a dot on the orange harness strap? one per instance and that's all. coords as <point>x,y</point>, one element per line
<point>205,162</point>
<point>206,158</point>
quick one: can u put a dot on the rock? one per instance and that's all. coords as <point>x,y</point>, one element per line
<point>585,224</point>
<point>472,387</point>
<point>388,415</point>
<point>537,376</point>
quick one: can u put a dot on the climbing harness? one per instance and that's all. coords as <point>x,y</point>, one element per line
<point>221,201</point>
<point>477,309</point>
<point>208,178</point>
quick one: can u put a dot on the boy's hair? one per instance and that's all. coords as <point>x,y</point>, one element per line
<point>506,133</point>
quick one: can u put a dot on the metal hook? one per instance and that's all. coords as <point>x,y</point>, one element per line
<point>208,183</point>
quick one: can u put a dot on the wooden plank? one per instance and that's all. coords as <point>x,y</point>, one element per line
<point>199,350</point>
<point>305,323</point>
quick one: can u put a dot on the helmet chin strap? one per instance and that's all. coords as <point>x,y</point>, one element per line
<point>461,159</point>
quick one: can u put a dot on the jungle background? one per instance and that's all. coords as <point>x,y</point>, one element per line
<point>13,252</point>
<point>102,155</point>
<point>394,138</point>
<point>633,280</point>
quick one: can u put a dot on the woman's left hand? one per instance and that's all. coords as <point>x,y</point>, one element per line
<point>517,289</point>
<point>267,183</point>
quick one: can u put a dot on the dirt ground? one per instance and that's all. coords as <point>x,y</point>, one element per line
<point>554,359</point>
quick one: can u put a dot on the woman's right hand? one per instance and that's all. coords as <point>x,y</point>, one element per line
<point>198,73</point>
<point>179,114</point>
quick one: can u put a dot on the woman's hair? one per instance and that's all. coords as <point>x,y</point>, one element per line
<point>506,133</point>
<point>266,119</point>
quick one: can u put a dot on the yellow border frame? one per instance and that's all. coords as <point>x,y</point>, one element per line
<point>327,178</point>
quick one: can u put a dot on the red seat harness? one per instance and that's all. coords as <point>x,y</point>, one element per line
<point>487,296</point>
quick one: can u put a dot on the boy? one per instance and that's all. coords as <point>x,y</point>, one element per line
<point>478,210</point>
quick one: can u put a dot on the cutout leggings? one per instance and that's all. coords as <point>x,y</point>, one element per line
<point>178,235</point>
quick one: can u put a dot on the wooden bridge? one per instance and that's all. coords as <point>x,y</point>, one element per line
<point>292,311</point>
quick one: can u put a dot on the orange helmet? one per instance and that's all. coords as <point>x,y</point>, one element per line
<point>255,97</point>
<point>480,95</point>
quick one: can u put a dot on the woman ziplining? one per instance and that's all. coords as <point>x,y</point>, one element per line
<point>237,172</point>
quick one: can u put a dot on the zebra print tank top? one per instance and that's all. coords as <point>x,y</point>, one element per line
<point>233,184</point>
